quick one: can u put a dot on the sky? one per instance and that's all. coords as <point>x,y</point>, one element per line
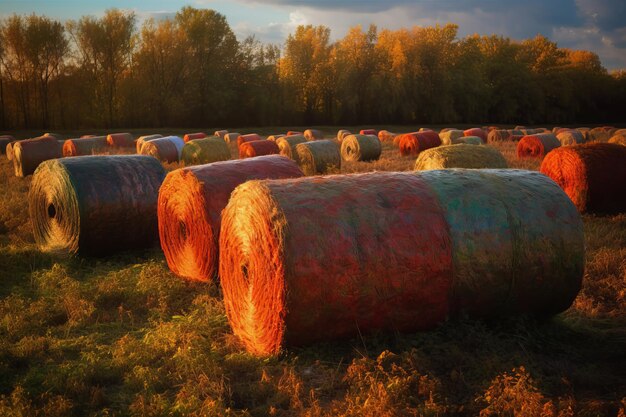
<point>595,25</point>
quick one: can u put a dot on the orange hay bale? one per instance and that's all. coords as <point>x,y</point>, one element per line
<point>398,138</point>
<point>121,140</point>
<point>191,201</point>
<point>29,153</point>
<point>168,149</point>
<point>591,175</point>
<point>85,146</point>
<point>313,134</point>
<point>386,136</point>
<point>368,132</point>
<point>476,131</point>
<point>220,133</point>
<point>247,138</point>
<point>192,136</point>
<point>258,148</point>
<point>413,143</point>
<point>537,146</point>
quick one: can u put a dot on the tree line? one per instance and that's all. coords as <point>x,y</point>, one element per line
<point>191,70</point>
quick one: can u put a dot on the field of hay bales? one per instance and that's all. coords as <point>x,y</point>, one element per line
<point>122,335</point>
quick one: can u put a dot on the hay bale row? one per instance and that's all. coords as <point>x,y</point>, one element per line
<point>318,157</point>
<point>168,149</point>
<point>537,146</point>
<point>592,175</point>
<point>361,148</point>
<point>460,156</point>
<point>190,204</point>
<point>205,151</point>
<point>414,143</point>
<point>95,205</point>
<point>461,242</point>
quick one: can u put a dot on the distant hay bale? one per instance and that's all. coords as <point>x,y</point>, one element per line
<point>556,129</point>
<point>368,132</point>
<point>274,138</point>
<point>537,146</point>
<point>190,205</point>
<point>599,134</point>
<point>247,138</point>
<point>386,136</point>
<point>168,149</point>
<point>29,153</point>
<point>341,134</point>
<point>294,132</point>
<point>85,146</point>
<point>313,134</point>
<point>619,139</point>
<point>87,136</point>
<point>398,138</point>
<point>414,143</point>
<point>142,139</point>
<point>95,205</point>
<point>121,140</point>
<point>318,157</point>
<point>231,137</point>
<point>425,129</point>
<point>460,156</point>
<point>361,148</point>
<point>445,129</point>
<point>570,137</point>
<point>193,136</point>
<point>54,135</point>
<point>205,151</point>
<point>519,127</point>
<point>287,146</point>
<point>471,140</point>
<point>498,135</point>
<point>316,259</point>
<point>220,133</point>
<point>451,136</point>
<point>4,141</point>
<point>591,175</point>
<point>619,132</point>
<point>476,131</point>
<point>258,148</point>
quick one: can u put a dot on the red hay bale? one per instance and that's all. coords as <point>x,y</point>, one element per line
<point>476,131</point>
<point>368,132</point>
<point>220,133</point>
<point>29,153</point>
<point>168,149</point>
<point>386,136</point>
<point>85,146</point>
<point>313,134</point>
<point>247,138</point>
<point>591,175</point>
<point>121,140</point>
<point>537,146</point>
<point>397,252</point>
<point>191,201</point>
<point>258,148</point>
<point>413,143</point>
<point>192,136</point>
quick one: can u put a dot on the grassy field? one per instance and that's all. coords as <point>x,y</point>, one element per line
<point>123,336</point>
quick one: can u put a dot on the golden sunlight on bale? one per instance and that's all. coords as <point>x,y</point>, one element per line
<point>313,134</point>
<point>231,137</point>
<point>29,153</point>
<point>287,146</point>
<point>168,149</point>
<point>570,137</point>
<point>274,138</point>
<point>95,205</point>
<point>386,136</point>
<point>191,201</point>
<point>453,238</point>
<point>619,139</point>
<point>85,146</point>
<point>258,148</point>
<point>460,156</point>
<point>341,134</point>
<point>318,157</point>
<point>142,139</point>
<point>121,140</point>
<point>361,148</point>
<point>205,151</point>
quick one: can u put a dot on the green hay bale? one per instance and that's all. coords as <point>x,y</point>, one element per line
<point>361,148</point>
<point>205,151</point>
<point>451,136</point>
<point>460,156</point>
<point>318,156</point>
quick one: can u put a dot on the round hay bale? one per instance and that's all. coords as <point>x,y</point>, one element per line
<point>4,141</point>
<point>471,140</point>
<point>205,151</point>
<point>313,134</point>
<point>8,150</point>
<point>414,143</point>
<point>386,136</point>
<point>498,135</point>
<point>86,146</point>
<point>220,133</point>
<point>451,137</point>
<point>142,139</point>
<point>570,137</point>
<point>168,149</point>
<point>54,135</point>
<point>258,148</point>
<point>599,134</point>
<point>476,131</point>
<point>294,132</point>
<point>318,157</point>
<point>368,132</point>
<point>398,138</point>
<point>274,138</point>
<point>341,134</point>
<point>462,242</point>
<point>193,136</point>
<point>29,153</point>
<point>191,201</point>
<point>619,139</point>
<point>460,156</point>
<point>537,146</point>
<point>361,148</point>
<point>591,175</point>
<point>247,138</point>
<point>95,205</point>
<point>121,140</point>
<point>287,146</point>
<point>231,137</point>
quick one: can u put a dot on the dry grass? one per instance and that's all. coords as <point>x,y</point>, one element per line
<point>123,336</point>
